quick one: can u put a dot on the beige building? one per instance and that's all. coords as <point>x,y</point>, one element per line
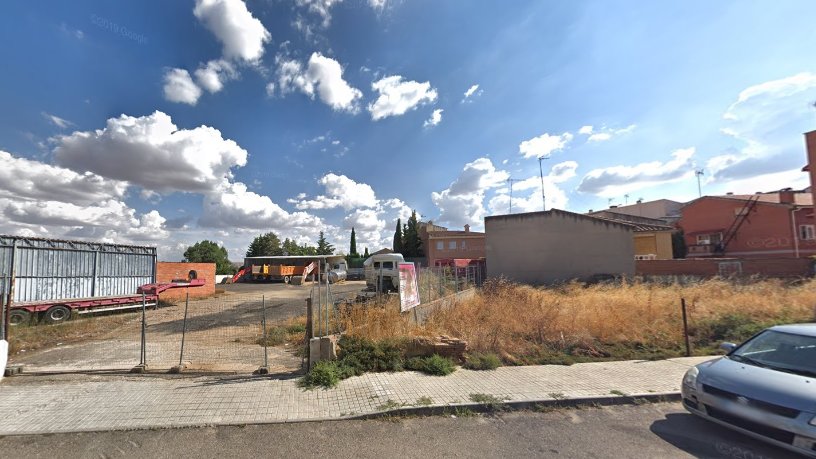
<point>653,238</point>
<point>557,246</point>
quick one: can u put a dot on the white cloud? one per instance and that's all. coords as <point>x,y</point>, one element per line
<point>370,229</point>
<point>270,89</point>
<point>233,205</point>
<point>604,133</point>
<point>154,153</point>
<point>471,93</point>
<point>320,7</point>
<point>214,74</point>
<point>324,76</point>
<point>242,35</point>
<point>617,180</point>
<point>179,87</point>
<point>436,118</point>
<point>61,123</point>
<point>766,123</point>
<point>531,200</point>
<point>544,145</point>
<point>22,178</point>
<point>463,201</point>
<point>341,191</point>
<point>396,97</point>
<point>377,4</point>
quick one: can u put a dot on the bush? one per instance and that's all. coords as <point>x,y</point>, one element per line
<point>362,355</point>
<point>275,336</point>
<point>479,361</point>
<point>326,373</point>
<point>434,365</point>
<point>296,328</point>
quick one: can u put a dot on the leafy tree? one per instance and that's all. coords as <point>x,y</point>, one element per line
<point>366,255</point>
<point>398,237</point>
<point>323,246</point>
<point>209,252</point>
<point>353,245</point>
<point>290,247</point>
<point>265,245</point>
<point>411,243</point>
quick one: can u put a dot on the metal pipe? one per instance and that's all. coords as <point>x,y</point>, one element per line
<point>685,327</point>
<point>184,328</point>
<point>263,309</point>
<point>795,233</point>
<point>143,356</point>
<point>10,299</point>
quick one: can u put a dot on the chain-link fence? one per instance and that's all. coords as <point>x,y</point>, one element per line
<point>441,281</point>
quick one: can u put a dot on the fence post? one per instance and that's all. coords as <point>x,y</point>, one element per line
<point>142,366</point>
<point>685,326</point>
<point>184,331</point>
<point>265,368</point>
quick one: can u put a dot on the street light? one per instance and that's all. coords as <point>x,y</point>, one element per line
<point>541,174</point>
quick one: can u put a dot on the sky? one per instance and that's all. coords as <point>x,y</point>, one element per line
<point>165,123</point>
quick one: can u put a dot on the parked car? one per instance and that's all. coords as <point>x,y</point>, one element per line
<point>764,388</point>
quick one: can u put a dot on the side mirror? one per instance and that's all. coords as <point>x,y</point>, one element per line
<point>728,347</point>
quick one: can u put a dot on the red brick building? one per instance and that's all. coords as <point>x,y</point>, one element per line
<point>764,225</point>
<point>441,244</point>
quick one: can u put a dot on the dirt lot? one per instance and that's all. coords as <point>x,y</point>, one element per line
<point>223,334</point>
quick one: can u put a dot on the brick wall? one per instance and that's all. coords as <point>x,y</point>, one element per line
<point>709,267</point>
<point>168,271</point>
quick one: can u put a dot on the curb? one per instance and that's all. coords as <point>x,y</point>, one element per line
<point>520,405</point>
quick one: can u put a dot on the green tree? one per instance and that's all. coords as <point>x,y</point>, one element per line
<point>323,246</point>
<point>209,252</point>
<point>411,242</point>
<point>366,255</point>
<point>353,245</point>
<point>265,245</point>
<point>398,237</point>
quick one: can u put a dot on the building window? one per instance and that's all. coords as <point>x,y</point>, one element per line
<point>440,245</point>
<point>462,245</point>
<point>452,245</point>
<point>704,239</point>
<point>807,232</point>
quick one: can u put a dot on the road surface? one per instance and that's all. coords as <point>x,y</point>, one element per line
<point>646,431</point>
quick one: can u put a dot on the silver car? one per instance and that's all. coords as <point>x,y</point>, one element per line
<point>764,388</point>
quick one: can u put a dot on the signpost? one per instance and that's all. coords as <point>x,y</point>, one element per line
<point>409,288</point>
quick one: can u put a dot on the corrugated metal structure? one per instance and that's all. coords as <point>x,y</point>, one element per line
<point>50,269</point>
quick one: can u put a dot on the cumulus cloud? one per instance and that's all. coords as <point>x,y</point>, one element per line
<point>436,118</point>
<point>544,145</point>
<point>604,133</point>
<point>154,153</point>
<point>322,75</point>
<point>340,191</point>
<point>214,74</point>
<point>29,179</point>
<point>765,122</point>
<point>320,7</point>
<point>179,87</point>
<point>233,205</point>
<point>463,201</point>
<point>396,97</point>
<point>242,35</point>
<point>617,180</point>
<point>369,228</point>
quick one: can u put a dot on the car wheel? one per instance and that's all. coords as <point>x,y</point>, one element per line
<point>19,317</point>
<point>57,314</point>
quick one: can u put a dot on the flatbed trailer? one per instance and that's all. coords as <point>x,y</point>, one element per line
<point>57,311</point>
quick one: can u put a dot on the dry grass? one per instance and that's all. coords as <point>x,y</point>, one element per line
<point>30,338</point>
<point>525,324</point>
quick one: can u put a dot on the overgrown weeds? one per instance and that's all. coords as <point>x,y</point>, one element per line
<point>482,361</point>
<point>433,365</point>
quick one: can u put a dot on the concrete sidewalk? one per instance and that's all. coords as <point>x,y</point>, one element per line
<point>33,405</point>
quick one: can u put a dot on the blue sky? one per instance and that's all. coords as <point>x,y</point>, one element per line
<point>164,123</point>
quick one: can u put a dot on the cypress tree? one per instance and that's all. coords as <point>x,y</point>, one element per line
<point>353,245</point>
<point>398,237</point>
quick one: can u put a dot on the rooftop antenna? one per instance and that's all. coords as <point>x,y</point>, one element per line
<point>541,174</point>
<point>609,202</point>
<point>626,199</point>
<point>510,181</point>
<point>699,173</point>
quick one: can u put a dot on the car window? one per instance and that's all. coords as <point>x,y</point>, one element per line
<point>778,350</point>
<point>376,265</point>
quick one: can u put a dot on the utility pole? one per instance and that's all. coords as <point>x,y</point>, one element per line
<point>699,173</point>
<point>541,174</point>
<point>510,181</point>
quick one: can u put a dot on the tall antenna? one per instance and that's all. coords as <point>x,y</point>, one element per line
<point>541,174</point>
<point>626,199</point>
<point>510,181</point>
<point>699,173</point>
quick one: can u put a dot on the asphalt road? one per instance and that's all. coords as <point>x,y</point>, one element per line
<point>646,431</point>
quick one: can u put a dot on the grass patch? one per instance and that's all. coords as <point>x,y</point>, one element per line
<point>485,399</point>
<point>424,401</point>
<point>618,393</point>
<point>27,338</point>
<point>480,361</point>
<point>275,336</point>
<point>434,365</point>
<point>326,373</point>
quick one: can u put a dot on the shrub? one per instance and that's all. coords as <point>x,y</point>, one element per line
<point>479,361</point>
<point>296,328</point>
<point>275,336</point>
<point>326,373</point>
<point>434,365</point>
<point>362,355</point>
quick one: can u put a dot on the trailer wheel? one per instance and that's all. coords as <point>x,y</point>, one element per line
<point>19,317</point>
<point>286,279</point>
<point>57,314</point>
